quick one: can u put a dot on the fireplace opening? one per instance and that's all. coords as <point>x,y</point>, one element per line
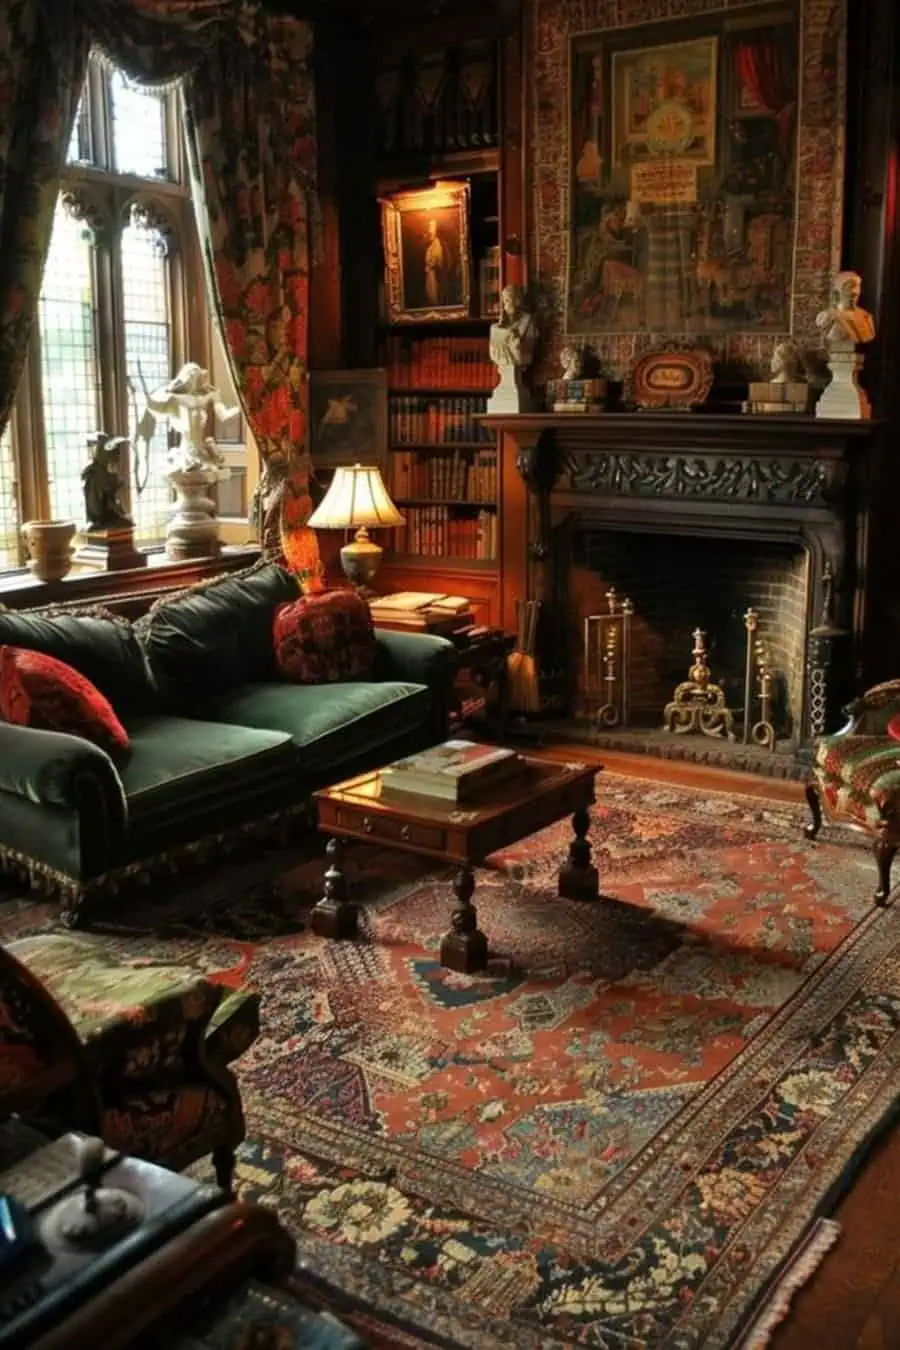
<point>678,584</point>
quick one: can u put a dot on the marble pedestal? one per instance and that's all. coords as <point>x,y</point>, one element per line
<point>193,531</point>
<point>844,397</point>
<point>511,394</point>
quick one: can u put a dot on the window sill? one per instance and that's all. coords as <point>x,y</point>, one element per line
<point>129,591</point>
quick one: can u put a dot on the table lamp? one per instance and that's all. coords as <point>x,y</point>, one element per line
<point>357,498</point>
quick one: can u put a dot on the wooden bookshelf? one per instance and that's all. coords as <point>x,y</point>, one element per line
<point>443,467</point>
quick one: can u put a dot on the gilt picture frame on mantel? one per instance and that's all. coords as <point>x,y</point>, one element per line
<point>689,174</point>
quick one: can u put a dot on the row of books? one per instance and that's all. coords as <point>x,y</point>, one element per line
<point>439,363</point>
<point>435,532</point>
<point>414,419</point>
<point>470,476</point>
<point>457,771</point>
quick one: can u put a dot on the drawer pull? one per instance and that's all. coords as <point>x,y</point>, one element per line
<point>368,825</point>
<point>404,832</point>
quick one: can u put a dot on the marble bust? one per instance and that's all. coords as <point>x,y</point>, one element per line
<point>845,325</point>
<point>512,342</point>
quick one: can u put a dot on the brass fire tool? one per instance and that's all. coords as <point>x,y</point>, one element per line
<point>607,661</point>
<point>763,732</point>
<point>751,623</point>
<point>697,704</point>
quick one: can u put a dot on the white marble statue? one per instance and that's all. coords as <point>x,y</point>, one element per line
<point>845,327</point>
<point>189,399</point>
<point>512,342</point>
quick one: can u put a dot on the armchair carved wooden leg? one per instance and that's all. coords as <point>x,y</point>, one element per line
<point>884,856</point>
<point>815,806</point>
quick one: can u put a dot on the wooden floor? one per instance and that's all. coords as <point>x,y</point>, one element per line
<point>853,1300</point>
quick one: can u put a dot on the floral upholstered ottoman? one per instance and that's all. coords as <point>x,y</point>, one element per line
<point>152,1041</point>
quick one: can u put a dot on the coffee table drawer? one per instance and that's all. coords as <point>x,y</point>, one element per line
<point>390,830</point>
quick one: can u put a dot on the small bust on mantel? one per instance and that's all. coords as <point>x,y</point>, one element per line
<point>512,342</point>
<point>786,391</point>
<point>575,393</point>
<point>845,327</point>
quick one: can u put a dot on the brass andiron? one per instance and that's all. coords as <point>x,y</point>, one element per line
<point>697,704</point>
<point>763,732</point>
<point>607,661</point>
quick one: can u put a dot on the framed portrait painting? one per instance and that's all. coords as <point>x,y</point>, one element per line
<point>426,250</point>
<point>347,417</point>
<point>683,174</point>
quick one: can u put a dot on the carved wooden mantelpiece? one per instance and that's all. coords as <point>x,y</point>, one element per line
<point>798,478</point>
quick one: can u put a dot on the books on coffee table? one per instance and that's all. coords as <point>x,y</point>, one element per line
<point>456,771</point>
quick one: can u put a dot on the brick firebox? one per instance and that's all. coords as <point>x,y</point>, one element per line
<point>696,516</point>
<point>678,583</point>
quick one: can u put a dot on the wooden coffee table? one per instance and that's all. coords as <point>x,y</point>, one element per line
<point>360,809</point>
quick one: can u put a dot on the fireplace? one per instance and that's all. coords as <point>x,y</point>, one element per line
<point>696,518</point>
<point>676,584</point>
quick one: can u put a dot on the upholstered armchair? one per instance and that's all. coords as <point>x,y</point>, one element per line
<point>855,778</point>
<point>135,1052</point>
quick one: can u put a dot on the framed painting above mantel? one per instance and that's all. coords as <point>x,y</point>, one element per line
<point>684,174</point>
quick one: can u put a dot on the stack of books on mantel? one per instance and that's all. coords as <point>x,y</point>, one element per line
<point>428,611</point>
<point>455,772</point>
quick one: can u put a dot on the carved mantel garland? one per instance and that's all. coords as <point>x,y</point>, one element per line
<point>712,477</point>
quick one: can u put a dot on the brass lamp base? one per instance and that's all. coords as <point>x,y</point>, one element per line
<point>361,560</point>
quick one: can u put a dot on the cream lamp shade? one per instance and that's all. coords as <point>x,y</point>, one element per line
<point>357,498</point>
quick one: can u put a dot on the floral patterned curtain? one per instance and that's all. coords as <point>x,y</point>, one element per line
<point>251,113</point>
<point>43,57</point>
<point>251,136</point>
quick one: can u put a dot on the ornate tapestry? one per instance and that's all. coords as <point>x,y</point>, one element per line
<point>688,168</point>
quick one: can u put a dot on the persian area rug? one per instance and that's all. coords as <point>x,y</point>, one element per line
<point>618,1135</point>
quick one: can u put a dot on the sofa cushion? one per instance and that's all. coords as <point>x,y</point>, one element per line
<point>332,724</point>
<point>180,764</point>
<point>215,637</point>
<point>321,639</point>
<point>39,691</point>
<point>104,649</point>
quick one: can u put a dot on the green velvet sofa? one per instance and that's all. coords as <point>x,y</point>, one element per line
<point>219,743</point>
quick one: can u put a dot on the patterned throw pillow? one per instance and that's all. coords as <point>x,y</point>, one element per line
<point>320,639</point>
<point>41,692</point>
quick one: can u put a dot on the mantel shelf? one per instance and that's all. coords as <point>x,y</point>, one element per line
<point>684,431</point>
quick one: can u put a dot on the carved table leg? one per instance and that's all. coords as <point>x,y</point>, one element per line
<point>578,878</point>
<point>335,915</point>
<point>815,808</point>
<point>465,947</point>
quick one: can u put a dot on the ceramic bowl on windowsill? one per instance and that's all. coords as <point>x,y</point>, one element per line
<point>49,543</point>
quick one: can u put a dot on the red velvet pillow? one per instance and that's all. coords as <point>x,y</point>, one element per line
<point>323,638</point>
<point>39,691</point>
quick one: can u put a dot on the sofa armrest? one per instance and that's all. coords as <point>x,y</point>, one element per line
<point>50,768</point>
<point>420,658</point>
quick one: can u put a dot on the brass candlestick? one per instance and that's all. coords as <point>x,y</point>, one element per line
<point>698,704</point>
